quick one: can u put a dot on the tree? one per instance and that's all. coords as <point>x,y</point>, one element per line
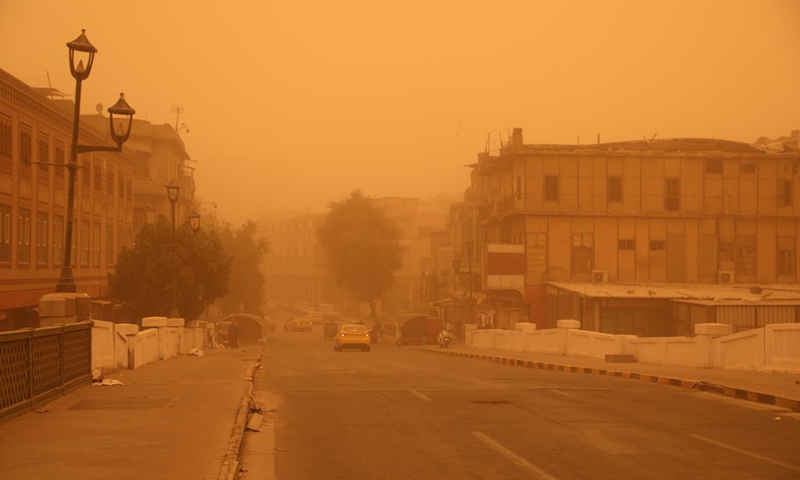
<point>143,275</point>
<point>246,249</point>
<point>361,248</point>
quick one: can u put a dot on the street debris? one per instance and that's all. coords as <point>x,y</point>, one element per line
<point>107,382</point>
<point>196,352</point>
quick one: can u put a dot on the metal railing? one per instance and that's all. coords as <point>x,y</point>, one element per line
<point>37,365</point>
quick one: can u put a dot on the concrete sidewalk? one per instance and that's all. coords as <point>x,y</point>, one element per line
<point>180,418</point>
<point>773,388</point>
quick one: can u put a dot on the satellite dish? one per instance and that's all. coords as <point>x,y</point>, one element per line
<point>99,108</point>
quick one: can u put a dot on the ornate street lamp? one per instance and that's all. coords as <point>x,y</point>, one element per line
<point>173,193</point>
<point>194,221</point>
<point>81,50</point>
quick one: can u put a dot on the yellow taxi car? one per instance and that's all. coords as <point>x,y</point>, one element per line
<point>297,324</point>
<point>356,336</point>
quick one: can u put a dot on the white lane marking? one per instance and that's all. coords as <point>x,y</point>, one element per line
<point>563,393</point>
<point>745,452</point>
<point>416,393</point>
<point>513,456</point>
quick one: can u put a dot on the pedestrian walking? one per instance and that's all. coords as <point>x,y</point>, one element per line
<point>233,334</point>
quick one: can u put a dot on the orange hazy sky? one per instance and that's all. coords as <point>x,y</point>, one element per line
<point>292,104</point>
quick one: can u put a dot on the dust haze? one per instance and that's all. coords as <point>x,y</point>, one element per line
<point>292,104</point>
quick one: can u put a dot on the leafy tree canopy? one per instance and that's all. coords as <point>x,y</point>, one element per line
<point>361,248</point>
<point>246,249</point>
<point>143,276</point>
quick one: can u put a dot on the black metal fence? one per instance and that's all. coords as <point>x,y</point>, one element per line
<point>37,365</point>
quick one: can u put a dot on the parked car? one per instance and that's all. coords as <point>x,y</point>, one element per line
<point>315,318</point>
<point>298,324</point>
<point>270,325</point>
<point>356,336</point>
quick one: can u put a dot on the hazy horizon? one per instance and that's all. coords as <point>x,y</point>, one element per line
<point>291,105</point>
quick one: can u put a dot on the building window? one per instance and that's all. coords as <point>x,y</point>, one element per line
<point>85,243</point>
<point>121,184</point>
<point>58,240</point>
<point>714,166</point>
<point>519,187</point>
<point>25,147</point>
<point>658,245</point>
<point>41,238</point>
<point>96,245</point>
<point>59,160</point>
<point>787,256</point>
<point>5,143</point>
<point>109,245</point>
<point>551,187</point>
<point>25,151</point>
<point>24,237</point>
<point>86,176</point>
<point>614,192</point>
<point>626,244</point>
<point>785,196</point>
<point>749,167</point>
<point>582,252</point>
<point>537,253</point>
<point>43,158</point>
<point>140,166</point>
<point>5,234</point>
<point>97,174</point>
<point>110,180</point>
<point>672,194</point>
<point>129,188</point>
<point>746,254</point>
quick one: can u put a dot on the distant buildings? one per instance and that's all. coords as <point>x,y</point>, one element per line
<point>667,213</point>
<point>643,237</point>
<point>293,267</point>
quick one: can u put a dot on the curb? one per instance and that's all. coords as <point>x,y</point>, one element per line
<point>230,462</point>
<point>738,393</point>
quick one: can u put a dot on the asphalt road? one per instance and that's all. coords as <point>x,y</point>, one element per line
<point>400,413</point>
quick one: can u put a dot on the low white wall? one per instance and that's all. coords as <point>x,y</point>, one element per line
<point>740,351</point>
<point>103,345</point>
<point>687,351</point>
<point>594,344</point>
<point>775,347</point>
<point>783,347</point>
<point>144,348</point>
<point>168,342</point>
<point>542,341</point>
<point>123,332</point>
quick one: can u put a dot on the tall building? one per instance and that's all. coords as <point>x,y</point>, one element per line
<point>611,234</point>
<point>35,138</point>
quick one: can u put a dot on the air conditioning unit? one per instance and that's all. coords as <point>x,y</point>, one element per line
<point>599,276</point>
<point>725,276</point>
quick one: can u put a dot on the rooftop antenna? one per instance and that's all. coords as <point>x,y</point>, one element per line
<point>177,110</point>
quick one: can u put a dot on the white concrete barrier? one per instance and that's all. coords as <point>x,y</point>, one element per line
<point>782,347</point>
<point>775,347</point>
<point>103,338</point>
<point>543,341</point>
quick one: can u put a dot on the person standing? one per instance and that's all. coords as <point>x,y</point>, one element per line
<point>233,334</point>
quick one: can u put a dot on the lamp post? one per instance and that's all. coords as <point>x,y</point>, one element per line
<point>173,189</point>
<point>81,47</point>
<point>173,192</point>
<point>456,268</point>
<point>470,246</point>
